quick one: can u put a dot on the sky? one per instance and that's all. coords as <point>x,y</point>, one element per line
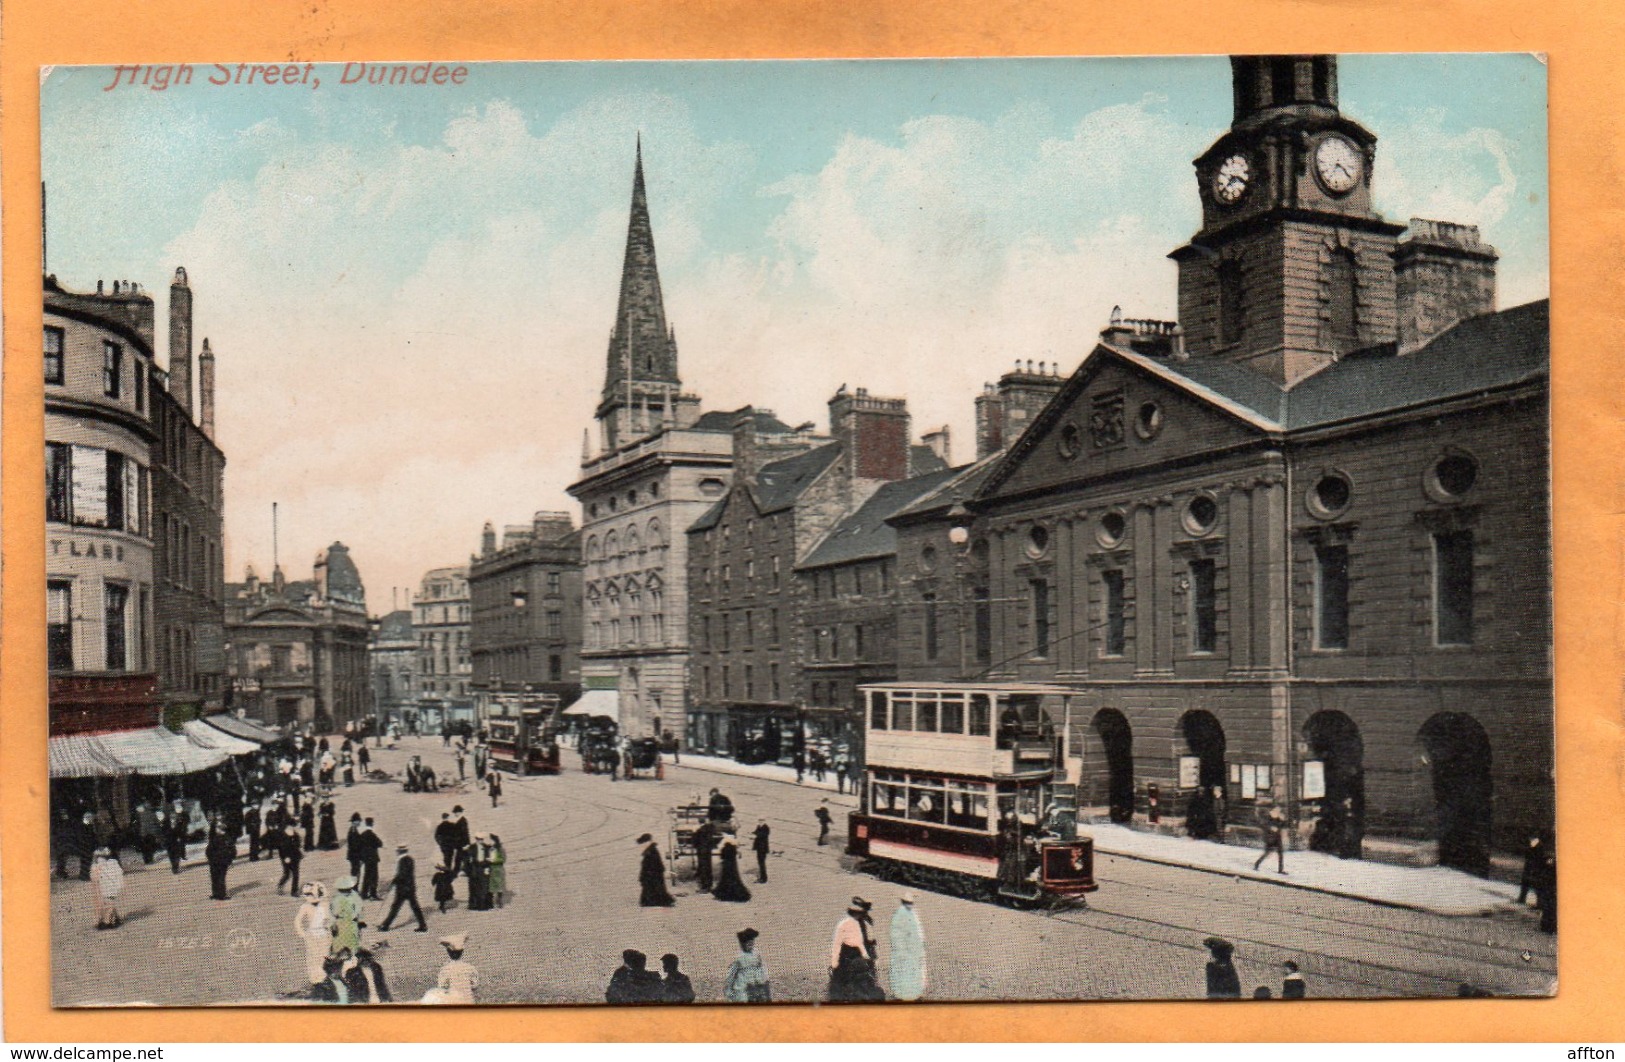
<point>410,289</point>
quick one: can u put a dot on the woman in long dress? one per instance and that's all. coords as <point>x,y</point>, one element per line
<point>747,980</point>
<point>908,977</point>
<point>314,925</point>
<point>327,838</point>
<point>652,876</point>
<point>496,871</point>
<point>730,887</point>
<point>458,979</point>
<point>346,911</point>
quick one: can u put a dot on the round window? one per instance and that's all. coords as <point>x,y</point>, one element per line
<point>928,559</point>
<point>1452,476</point>
<point>1037,540</point>
<point>1329,495</point>
<point>1071,442</point>
<point>1201,514</point>
<point>1147,420</point>
<point>1113,526</point>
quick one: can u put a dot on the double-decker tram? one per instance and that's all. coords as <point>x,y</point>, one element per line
<point>966,791</point>
<point>523,741</point>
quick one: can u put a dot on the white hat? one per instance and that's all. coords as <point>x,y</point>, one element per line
<point>456,942</point>
<point>907,897</point>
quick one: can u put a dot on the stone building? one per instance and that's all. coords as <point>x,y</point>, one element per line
<point>1294,550</point>
<point>298,650</point>
<point>392,654</point>
<point>440,622</point>
<point>526,601</point>
<point>658,465</point>
<point>188,471</point>
<point>748,697</point>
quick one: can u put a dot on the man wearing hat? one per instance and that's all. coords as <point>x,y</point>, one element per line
<point>464,836</point>
<point>446,837</point>
<point>346,910</point>
<point>907,964</point>
<point>633,982</point>
<point>219,851</point>
<point>852,957</point>
<point>370,846</point>
<point>652,876</point>
<point>405,886</point>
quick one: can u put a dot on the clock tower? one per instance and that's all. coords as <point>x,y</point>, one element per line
<point>1292,267</point>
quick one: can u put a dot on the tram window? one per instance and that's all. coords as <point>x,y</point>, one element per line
<point>967,805</point>
<point>887,799</point>
<point>981,714</point>
<point>877,711</point>
<point>925,802</point>
<point>952,719</point>
<point>925,718</point>
<point>1027,805</point>
<point>902,711</point>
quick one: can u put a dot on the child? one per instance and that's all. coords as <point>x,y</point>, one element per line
<point>442,880</point>
<point>107,879</point>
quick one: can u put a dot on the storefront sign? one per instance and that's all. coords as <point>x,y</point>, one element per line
<point>73,547</point>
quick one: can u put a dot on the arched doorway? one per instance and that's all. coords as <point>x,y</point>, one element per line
<point>1335,741</point>
<point>1204,739</point>
<point>1117,742</point>
<point>1457,751</point>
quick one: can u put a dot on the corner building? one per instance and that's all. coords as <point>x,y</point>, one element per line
<point>659,464</point>
<point>1295,549</point>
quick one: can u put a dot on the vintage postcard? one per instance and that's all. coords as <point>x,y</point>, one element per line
<point>1040,529</point>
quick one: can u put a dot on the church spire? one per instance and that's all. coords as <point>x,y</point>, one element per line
<point>640,347</point>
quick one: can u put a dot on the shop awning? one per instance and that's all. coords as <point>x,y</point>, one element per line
<point>597,702</point>
<point>151,751</point>
<point>242,728</point>
<point>205,736</point>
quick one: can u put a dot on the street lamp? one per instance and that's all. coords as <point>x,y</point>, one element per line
<point>959,520</point>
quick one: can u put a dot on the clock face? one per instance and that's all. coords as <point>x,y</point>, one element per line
<point>1230,182</point>
<point>1338,164</point>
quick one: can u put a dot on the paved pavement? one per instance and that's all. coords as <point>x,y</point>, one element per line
<point>573,907</point>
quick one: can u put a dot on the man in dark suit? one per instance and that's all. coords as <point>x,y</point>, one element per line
<point>352,846</point>
<point>464,836</point>
<point>446,837</point>
<point>307,823</point>
<point>705,842</point>
<point>220,851</point>
<point>251,823</point>
<point>761,845</point>
<point>370,847</point>
<point>405,887</point>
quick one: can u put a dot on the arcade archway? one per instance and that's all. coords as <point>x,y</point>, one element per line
<point>1457,753</point>
<point>1204,740</point>
<point>1117,742</point>
<point>1335,741</point>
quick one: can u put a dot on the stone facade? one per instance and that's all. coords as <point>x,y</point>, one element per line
<point>526,619</point>
<point>392,654</point>
<point>1323,587</point>
<point>298,651</point>
<point>441,623</point>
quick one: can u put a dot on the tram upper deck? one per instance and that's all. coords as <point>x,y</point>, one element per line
<point>989,730</point>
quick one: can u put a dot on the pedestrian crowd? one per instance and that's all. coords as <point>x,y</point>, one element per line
<point>1224,980</point>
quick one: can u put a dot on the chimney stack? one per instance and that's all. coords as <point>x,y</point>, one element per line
<point>939,443</point>
<point>875,435</point>
<point>180,340</point>
<point>1004,411</point>
<point>488,540</point>
<point>205,389</point>
<point>1443,274</point>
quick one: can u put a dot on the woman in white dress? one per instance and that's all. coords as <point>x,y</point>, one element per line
<point>457,979</point>
<point>314,925</point>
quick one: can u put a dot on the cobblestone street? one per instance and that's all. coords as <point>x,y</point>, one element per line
<point>573,907</point>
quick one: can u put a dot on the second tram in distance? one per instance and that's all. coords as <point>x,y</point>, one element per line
<point>966,791</point>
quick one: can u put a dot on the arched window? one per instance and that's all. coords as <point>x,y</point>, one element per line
<point>655,541</point>
<point>1232,310</point>
<point>1342,294</point>
<point>592,548</point>
<point>632,545</point>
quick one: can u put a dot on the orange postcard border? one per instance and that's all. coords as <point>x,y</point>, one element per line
<point>1582,43</point>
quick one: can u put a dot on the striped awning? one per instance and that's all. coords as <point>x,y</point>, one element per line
<point>205,736</point>
<point>151,751</point>
<point>242,728</point>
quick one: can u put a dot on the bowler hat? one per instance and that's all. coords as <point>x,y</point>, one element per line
<point>644,839</point>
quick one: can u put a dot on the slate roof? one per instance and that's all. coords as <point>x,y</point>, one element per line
<point>962,482</point>
<point>865,533</point>
<point>923,459</point>
<point>723,420</point>
<point>778,484</point>
<point>1480,354</point>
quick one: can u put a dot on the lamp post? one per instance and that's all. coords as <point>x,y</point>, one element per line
<point>959,520</point>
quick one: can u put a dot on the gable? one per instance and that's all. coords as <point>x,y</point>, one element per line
<point>1113,417</point>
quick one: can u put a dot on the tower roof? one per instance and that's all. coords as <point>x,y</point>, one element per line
<point>641,347</point>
